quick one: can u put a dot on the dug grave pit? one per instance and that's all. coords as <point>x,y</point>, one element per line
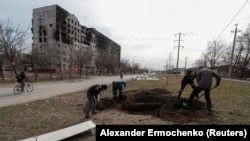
<point>160,103</point>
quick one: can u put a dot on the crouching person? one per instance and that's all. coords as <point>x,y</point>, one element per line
<point>92,95</point>
<point>118,86</point>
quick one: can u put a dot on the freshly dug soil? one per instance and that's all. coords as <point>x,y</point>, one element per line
<point>159,103</point>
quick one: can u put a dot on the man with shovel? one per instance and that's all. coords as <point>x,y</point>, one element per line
<point>204,80</point>
<point>188,79</point>
<point>118,85</point>
<point>92,95</point>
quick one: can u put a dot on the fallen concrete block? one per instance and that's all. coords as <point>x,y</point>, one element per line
<point>64,133</point>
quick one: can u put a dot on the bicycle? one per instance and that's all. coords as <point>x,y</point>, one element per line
<point>18,89</point>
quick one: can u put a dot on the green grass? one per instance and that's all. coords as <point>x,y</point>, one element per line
<point>230,104</point>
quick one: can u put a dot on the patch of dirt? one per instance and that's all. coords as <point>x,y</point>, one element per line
<point>152,106</point>
<point>158,103</point>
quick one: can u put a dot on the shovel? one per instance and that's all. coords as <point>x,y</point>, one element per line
<point>197,98</point>
<point>98,104</point>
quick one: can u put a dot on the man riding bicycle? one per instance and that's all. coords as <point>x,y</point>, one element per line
<point>21,79</point>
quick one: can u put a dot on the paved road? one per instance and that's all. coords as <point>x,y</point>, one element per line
<point>49,89</point>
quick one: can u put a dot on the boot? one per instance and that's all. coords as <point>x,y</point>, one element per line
<point>179,95</point>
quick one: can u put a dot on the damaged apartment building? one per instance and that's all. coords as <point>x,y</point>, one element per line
<point>59,39</point>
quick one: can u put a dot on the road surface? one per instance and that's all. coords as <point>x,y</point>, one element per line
<point>49,89</point>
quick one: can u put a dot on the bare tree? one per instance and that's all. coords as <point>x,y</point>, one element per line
<point>110,63</point>
<point>12,41</point>
<point>225,57</point>
<point>71,59</point>
<point>100,61</point>
<point>2,62</point>
<point>242,57</point>
<point>84,59</point>
<point>202,61</point>
<point>1,66</point>
<point>215,49</point>
<point>125,66</point>
<point>38,60</point>
<point>50,59</point>
<point>136,68</point>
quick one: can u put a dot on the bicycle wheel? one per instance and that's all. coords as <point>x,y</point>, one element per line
<point>29,88</point>
<point>17,90</point>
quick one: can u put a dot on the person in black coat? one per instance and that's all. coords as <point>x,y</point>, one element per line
<point>205,80</point>
<point>118,86</point>
<point>188,79</point>
<point>21,78</point>
<point>92,95</point>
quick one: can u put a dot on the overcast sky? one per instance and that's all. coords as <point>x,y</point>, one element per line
<point>147,30</point>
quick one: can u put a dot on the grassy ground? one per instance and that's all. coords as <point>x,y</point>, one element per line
<point>230,104</point>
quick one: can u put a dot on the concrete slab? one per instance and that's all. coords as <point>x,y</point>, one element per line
<point>64,133</point>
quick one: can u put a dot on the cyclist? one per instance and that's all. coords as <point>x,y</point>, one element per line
<point>21,79</point>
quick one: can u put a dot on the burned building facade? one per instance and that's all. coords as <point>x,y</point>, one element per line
<point>58,37</point>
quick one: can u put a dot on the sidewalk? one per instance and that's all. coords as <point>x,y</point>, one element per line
<point>50,89</point>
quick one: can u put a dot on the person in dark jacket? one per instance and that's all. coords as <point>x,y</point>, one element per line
<point>204,79</point>
<point>121,75</point>
<point>187,79</point>
<point>118,86</point>
<point>92,95</point>
<point>21,78</point>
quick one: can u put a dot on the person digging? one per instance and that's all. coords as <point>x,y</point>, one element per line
<point>204,79</point>
<point>92,95</point>
<point>118,86</point>
<point>188,79</point>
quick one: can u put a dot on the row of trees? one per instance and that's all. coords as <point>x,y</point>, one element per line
<point>218,53</point>
<point>13,45</point>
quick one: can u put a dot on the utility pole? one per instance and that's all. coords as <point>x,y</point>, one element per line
<point>185,63</point>
<point>179,40</point>
<point>232,53</point>
<point>170,57</point>
<point>167,72</point>
<point>169,63</point>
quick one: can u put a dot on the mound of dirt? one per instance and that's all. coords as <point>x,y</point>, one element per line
<point>157,102</point>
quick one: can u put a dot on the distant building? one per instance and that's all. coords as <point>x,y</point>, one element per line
<point>58,35</point>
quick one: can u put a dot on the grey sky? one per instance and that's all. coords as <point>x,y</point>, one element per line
<point>146,29</point>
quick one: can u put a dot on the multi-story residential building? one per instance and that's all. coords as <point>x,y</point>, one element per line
<point>58,36</point>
